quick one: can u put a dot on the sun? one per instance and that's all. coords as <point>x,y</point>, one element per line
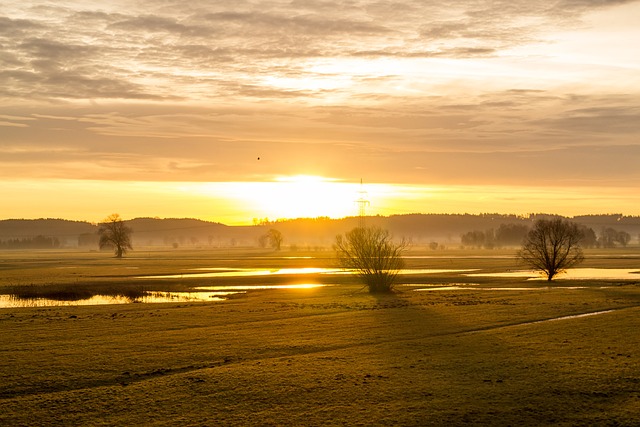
<point>290,197</point>
<point>305,196</point>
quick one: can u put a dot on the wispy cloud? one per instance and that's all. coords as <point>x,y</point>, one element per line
<point>410,89</point>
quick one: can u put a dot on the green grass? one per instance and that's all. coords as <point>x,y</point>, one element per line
<point>326,356</point>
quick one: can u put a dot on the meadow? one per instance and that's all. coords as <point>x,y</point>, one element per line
<point>470,350</point>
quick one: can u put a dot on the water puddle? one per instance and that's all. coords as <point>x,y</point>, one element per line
<point>478,287</point>
<point>571,274</point>
<point>257,272</point>
<point>433,271</point>
<point>441,288</point>
<point>575,316</point>
<point>247,272</point>
<point>258,287</point>
<point>553,319</point>
<point>459,256</point>
<point>469,288</point>
<point>10,301</point>
<point>200,294</point>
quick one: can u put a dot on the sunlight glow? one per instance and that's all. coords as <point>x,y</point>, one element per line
<point>300,196</point>
<point>240,203</point>
<point>308,83</point>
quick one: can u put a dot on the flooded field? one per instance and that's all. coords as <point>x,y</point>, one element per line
<point>214,277</point>
<point>257,272</point>
<point>571,274</point>
<point>303,343</point>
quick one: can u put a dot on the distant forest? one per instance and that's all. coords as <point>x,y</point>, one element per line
<point>436,231</point>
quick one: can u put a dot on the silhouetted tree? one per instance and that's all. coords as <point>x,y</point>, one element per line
<point>552,246</point>
<point>371,252</point>
<point>589,239</point>
<point>623,238</point>
<point>474,238</point>
<point>610,236</point>
<point>113,232</point>
<point>263,240</point>
<point>37,242</point>
<point>511,234</point>
<point>274,237</point>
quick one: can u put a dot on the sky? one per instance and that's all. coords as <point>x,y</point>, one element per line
<point>244,110</point>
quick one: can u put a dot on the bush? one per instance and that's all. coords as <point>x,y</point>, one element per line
<point>371,252</point>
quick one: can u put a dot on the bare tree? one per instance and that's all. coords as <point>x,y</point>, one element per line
<point>371,252</point>
<point>113,232</point>
<point>274,237</point>
<point>552,246</point>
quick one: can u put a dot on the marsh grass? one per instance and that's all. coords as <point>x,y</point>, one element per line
<point>76,292</point>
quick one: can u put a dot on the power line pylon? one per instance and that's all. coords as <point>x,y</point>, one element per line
<point>362,205</point>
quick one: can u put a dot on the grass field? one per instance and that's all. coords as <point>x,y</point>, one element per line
<point>325,356</point>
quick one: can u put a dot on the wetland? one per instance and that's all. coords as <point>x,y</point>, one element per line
<point>314,348</point>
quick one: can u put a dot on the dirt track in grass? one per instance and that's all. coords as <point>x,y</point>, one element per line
<point>330,356</point>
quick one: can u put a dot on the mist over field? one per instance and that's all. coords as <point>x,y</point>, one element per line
<point>419,229</point>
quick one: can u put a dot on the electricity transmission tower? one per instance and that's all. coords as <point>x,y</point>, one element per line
<point>362,203</point>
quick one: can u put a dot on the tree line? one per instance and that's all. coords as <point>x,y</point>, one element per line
<point>513,235</point>
<point>37,242</point>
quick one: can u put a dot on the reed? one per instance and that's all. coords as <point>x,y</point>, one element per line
<point>76,292</point>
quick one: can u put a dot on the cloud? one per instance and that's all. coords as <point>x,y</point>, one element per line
<point>145,90</point>
<point>598,120</point>
<point>12,27</point>
<point>11,124</point>
<point>304,25</point>
<point>153,24</point>
<point>203,50</point>
<point>14,121</point>
<point>53,69</point>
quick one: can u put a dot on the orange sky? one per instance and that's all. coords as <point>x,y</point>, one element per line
<point>216,109</point>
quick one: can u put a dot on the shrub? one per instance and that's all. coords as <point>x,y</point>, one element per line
<point>371,252</point>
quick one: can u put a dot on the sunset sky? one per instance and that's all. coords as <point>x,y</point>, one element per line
<point>235,110</point>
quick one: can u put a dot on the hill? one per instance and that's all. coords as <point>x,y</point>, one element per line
<point>421,229</point>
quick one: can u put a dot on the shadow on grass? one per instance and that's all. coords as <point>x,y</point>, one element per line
<point>500,358</point>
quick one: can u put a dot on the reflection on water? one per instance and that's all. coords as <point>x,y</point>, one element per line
<point>571,274</point>
<point>256,272</point>
<point>10,301</point>
<point>457,288</point>
<point>259,287</point>
<point>470,287</point>
<point>204,293</point>
<point>574,316</point>
<point>433,271</point>
<point>248,272</point>
<point>467,287</point>
<point>459,256</point>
